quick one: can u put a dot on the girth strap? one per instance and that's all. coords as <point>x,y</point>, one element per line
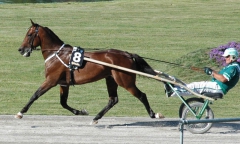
<point>72,81</point>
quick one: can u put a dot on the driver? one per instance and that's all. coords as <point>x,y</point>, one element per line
<point>221,82</point>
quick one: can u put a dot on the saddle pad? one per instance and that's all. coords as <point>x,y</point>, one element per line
<point>77,57</point>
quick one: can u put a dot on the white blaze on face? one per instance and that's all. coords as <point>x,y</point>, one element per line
<point>25,54</point>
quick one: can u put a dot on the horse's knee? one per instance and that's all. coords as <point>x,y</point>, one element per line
<point>64,105</point>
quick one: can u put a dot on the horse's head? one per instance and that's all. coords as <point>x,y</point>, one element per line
<point>31,40</point>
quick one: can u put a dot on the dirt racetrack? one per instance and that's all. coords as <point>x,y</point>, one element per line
<point>37,129</point>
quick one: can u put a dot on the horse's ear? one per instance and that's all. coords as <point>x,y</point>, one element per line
<point>32,22</point>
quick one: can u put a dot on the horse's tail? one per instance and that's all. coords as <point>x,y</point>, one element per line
<point>142,65</point>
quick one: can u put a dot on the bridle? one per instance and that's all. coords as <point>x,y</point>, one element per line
<point>32,37</point>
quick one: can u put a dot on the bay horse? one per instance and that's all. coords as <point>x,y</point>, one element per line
<point>57,54</point>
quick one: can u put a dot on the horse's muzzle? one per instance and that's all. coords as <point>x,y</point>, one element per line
<point>25,52</point>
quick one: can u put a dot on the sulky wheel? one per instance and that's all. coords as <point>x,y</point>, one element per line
<point>198,128</point>
<point>188,101</point>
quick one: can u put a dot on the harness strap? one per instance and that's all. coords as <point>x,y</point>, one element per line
<point>71,70</point>
<point>56,54</point>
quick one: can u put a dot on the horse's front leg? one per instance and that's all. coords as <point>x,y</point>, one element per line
<point>64,90</point>
<point>41,90</point>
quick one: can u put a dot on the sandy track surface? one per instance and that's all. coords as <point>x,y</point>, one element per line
<point>37,129</point>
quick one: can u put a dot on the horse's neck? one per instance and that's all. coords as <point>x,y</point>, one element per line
<point>50,41</point>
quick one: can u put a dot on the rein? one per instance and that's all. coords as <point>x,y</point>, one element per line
<point>94,49</point>
<point>179,65</point>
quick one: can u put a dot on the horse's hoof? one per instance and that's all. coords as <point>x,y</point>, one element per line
<point>81,112</point>
<point>93,122</point>
<point>19,115</point>
<point>159,115</point>
<point>84,112</point>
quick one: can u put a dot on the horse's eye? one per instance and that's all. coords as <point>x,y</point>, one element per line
<point>29,35</point>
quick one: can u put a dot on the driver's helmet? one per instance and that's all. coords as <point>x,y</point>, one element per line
<point>231,52</point>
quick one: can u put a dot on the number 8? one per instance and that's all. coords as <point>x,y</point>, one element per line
<point>77,57</point>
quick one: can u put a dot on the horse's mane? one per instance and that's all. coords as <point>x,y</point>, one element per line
<point>52,33</point>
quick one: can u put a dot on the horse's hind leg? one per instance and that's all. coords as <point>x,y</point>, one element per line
<point>64,90</point>
<point>113,98</point>
<point>143,98</point>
